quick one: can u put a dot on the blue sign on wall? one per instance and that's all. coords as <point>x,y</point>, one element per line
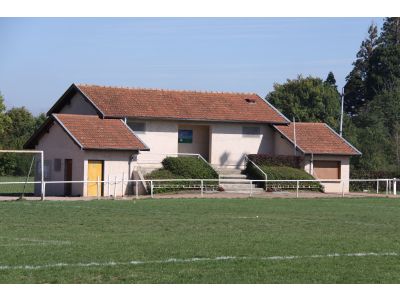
<point>185,136</point>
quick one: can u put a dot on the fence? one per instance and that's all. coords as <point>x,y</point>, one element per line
<point>114,188</point>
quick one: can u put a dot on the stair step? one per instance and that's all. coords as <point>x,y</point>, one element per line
<point>233,176</point>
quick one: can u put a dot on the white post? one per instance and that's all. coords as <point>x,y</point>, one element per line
<point>343,188</point>
<point>377,186</point>
<point>98,186</point>
<point>122,185</point>
<point>201,187</point>
<point>42,175</point>
<point>387,187</point>
<point>137,189</point>
<point>297,189</point>
<point>251,188</point>
<point>115,187</point>
<point>44,190</point>
<point>108,185</point>
<point>341,113</point>
<point>151,189</point>
<point>394,186</point>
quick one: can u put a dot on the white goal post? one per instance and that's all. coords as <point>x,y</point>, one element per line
<point>41,164</point>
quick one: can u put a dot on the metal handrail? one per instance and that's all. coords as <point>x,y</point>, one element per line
<point>246,158</point>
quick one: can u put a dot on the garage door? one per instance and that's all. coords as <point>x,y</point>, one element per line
<point>326,169</point>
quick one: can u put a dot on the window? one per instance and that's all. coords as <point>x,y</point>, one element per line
<point>47,169</point>
<point>57,165</point>
<point>250,130</point>
<point>137,126</point>
<point>185,136</point>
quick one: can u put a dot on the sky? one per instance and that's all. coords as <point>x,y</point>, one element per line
<point>41,57</point>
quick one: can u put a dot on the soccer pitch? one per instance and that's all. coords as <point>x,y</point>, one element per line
<point>201,241</point>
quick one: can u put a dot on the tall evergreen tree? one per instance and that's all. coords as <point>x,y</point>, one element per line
<point>390,32</point>
<point>385,62</point>
<point>330,79</point>
<point>356,82</point>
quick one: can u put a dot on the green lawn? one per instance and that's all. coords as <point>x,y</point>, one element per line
<point>96,240</point>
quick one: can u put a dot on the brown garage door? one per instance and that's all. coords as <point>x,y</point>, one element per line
<point>327,169</point>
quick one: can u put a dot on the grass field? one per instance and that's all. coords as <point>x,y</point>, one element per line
<point>201,241</point>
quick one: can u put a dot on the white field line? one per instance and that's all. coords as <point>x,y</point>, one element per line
<point>191,260</point>
<point>32,242</point>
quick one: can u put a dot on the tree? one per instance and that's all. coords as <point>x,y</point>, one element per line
<point>385,61</point>
<point>4,120</point>
<point>356,82</point>
<point>390,32</point>
<point>330,79</point>
<point>308,99</point>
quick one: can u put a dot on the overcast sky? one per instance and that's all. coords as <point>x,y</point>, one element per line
<point>40,58</point>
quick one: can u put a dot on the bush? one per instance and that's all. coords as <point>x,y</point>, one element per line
<point>189,167</point>
<point>182,168</point>
<point>281,173</point>
<point>278,160</point>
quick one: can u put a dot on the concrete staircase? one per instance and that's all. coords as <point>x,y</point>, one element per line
<point>233,181</point>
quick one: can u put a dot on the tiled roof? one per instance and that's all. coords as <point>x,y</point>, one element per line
<point>317,138</point>
<point>187,105</point>
<point>91,132</point>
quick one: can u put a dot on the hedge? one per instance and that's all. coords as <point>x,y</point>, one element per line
<point>281,173</point>
<point>182,168</point>
<point>278,160</point>
<point>189,167</point>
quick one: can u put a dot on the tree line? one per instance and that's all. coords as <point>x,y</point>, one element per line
<point>16,126</point>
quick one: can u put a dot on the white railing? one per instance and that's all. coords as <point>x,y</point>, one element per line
<point>203,184</point>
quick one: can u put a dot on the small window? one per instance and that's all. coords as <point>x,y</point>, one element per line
<point>57,165</point>
<point>137,126</point>
<point>185,136</point>
<point>249,130</point>
<point>47,169</point>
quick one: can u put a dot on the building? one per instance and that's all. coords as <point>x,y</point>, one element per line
<point>96,132</point>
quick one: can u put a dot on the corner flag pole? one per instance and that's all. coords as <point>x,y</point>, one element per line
<point>341,113</point>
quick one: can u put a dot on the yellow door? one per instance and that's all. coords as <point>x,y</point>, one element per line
<point>95,173</point>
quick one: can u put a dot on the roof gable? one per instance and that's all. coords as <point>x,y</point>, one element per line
<point>317,138</point>
<point>92,133</point>
<point>114,102</point>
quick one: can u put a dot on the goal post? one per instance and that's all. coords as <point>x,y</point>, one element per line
<point>27,170</point>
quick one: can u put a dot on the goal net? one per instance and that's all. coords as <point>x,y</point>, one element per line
<point>21,173</point>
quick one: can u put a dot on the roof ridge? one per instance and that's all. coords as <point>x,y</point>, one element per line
<point>165,90</point>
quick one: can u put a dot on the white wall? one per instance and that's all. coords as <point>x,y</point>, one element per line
<point>283,146</point>
<point>161,137</point>
<point>79,106</point>
<point>229,145</point>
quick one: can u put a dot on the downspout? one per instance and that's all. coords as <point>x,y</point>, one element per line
<point>312,164</point>
<point>294,136</point>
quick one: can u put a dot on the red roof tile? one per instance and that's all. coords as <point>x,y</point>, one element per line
<point>188,105</point>
<point>91,132</point>
<point>317,138</point>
